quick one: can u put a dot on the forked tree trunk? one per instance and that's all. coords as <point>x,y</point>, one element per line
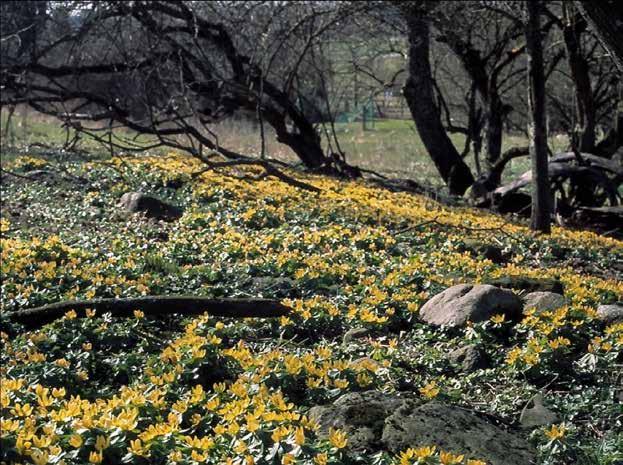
<point>540,219</point>
<point>418,92</point>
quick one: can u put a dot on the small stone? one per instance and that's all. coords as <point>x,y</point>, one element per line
<point>543,301</point>
<point>354,333</point>
<point>482,249</point>
<point>610,314</point>
<point>136,202</point>
<point>470,358</point>
<point>538,415</point>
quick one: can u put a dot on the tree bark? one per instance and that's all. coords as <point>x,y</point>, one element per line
<point>33,318</point>
<point>585,103</point>
<point>495,114</point>
<point>418,92</point>
<point>540,218</point>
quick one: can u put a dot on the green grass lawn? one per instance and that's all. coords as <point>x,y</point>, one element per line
<point>394,147</point>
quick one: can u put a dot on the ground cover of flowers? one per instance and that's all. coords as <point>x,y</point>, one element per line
<point>215,390</point>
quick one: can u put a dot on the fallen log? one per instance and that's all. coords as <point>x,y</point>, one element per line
<point>36,317</point>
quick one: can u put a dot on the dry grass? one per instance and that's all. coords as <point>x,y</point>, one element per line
<point>392,147</point>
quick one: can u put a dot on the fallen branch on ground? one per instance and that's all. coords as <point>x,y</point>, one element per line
<point>33,318</point>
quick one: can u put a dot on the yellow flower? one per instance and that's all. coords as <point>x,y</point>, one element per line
<point>198,456</point>
<point>39,457</point>
<point>513,355</point>
<point>136,448</point>
<point>101,443</point>
<point>446,458</point>
<point>58,392</point>
<point>7,426</point>
<point>430,391</point>
<point>420,453</point>
<point>476,462</point>
<point>71,314</point>
<point>555,432</point>
<point>299,436</point>
<point>138,314</point>
<point>61,362</point>
<point>498,319</point>
<point>76,441</point>
<point>288,459</point>
<point>321,459</point>
<point>558,342</point>
<point>87,346</point>
<point>175,456</point>
<point>423,452</point>
<point>337,438</point>
<point>96,457</point>
<point>90,313</point>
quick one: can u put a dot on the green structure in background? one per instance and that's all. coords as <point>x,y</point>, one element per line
<point>366,112</point>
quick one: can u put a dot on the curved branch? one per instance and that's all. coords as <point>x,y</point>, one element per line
<point>33,318</point>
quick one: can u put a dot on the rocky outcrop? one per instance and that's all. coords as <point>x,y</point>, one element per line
<point>377,421</point>
<point>468,302</point>
<point>453,428</point>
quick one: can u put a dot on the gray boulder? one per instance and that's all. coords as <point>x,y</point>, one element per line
<point>469,358</point>
<point>137,202</point>
<point>543,301</point>
<point>453,428</point>
<point>610,314</point>
<point>468,302</point>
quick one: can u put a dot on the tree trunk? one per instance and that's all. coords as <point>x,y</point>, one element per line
<point>305,142</point>
<point>495,115</point>
<point>418,92</point>
<point>540,218</point>
<point>585,104</point>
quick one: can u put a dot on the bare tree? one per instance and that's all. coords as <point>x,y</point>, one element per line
<point>174,69</point>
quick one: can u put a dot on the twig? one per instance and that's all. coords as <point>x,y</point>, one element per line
<point>28,178</point>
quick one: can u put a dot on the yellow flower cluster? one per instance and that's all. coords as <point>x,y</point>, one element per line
<point>426,454</point>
